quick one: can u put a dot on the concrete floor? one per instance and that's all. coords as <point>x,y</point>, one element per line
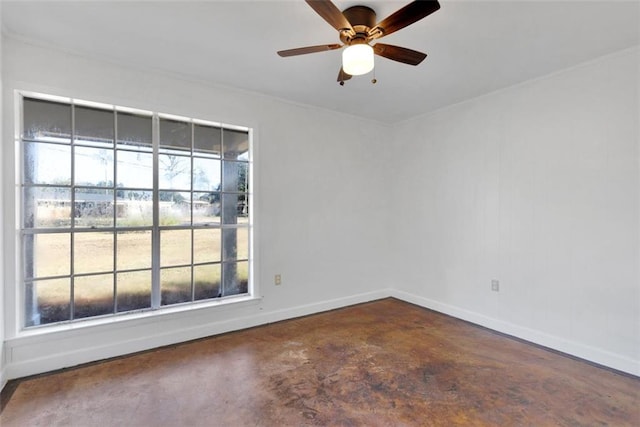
<point>385,363</point>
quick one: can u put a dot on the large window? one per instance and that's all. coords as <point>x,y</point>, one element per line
<point>125,210</point>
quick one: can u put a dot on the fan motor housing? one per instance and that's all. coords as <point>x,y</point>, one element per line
<point>360,15</point>
<point>362,19</point>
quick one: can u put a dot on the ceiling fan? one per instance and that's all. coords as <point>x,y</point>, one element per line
<point>357,27</point>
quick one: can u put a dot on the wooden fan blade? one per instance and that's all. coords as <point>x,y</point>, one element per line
<point>330,13</point>
<point>309,49</point>
<point>342,76</point>
<point>401,18</point>
<point>400,54</point>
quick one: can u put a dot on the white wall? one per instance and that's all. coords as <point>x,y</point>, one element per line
<point>3,379</point>
<point>320,216</point>
<point>538,186</point>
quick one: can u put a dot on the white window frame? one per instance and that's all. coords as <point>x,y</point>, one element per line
<point>156,308</point>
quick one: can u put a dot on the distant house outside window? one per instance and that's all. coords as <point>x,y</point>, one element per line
<point>127,211</point>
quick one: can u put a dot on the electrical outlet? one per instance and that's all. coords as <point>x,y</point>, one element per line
<point>495,285</point>
<point>278,279</point>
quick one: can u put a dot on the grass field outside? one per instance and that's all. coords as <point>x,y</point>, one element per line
<point>104,283</point>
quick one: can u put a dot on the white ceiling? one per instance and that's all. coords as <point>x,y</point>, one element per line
<point>474,47</point>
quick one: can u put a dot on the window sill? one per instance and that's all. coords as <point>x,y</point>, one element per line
<point>140,318</point>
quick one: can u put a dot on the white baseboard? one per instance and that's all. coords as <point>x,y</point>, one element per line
<point>582,351</point>
<point>3,379</point>
<point>3,373</point>
<point>32,356</point>
<point>35,355</point>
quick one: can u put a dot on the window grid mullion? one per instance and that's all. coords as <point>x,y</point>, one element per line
<point>155,233</point>
<point>222,193</point>
<point>72,307</point>
<point>115,212</point>
<point>191,195</point>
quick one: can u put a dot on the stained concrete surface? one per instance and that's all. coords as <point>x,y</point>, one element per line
<point>385,363</point>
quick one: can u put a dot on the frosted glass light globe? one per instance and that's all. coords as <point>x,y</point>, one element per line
<point>357,59</point>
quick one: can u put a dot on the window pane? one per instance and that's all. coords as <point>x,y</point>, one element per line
<point>134,208</point>
<point>206,174</point>
<point>243,243</point>
<point>175,285</point>
<point>235,176</point>
<point>134,129</point>
<point>93,207</point>
<point>207,139</point>
<point>175,134</point>
<point>92,252</point>
<point>76,265</point>
<point>175,247</point>
<point>206,245</point>
<point>174,172</point>
<point>206,281</point>
<point>46,120</point>
<point>235,278</point>
<point>134,250</point>
<point>47,255</point>
<point>235,244</point>
<point>135,169</point>
<point>47,301</point>
<point>93,295</point>
<point>47,207</point>
<point>235,144</point>
<point>94,126</point>
<point>206,208</point>
<point>175,208</point>
<point>234,209</point>
<point>47,163</point>
<point>134,290</point>
<point>93,166</point>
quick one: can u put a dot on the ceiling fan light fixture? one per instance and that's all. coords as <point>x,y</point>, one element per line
<point>357,59</point>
